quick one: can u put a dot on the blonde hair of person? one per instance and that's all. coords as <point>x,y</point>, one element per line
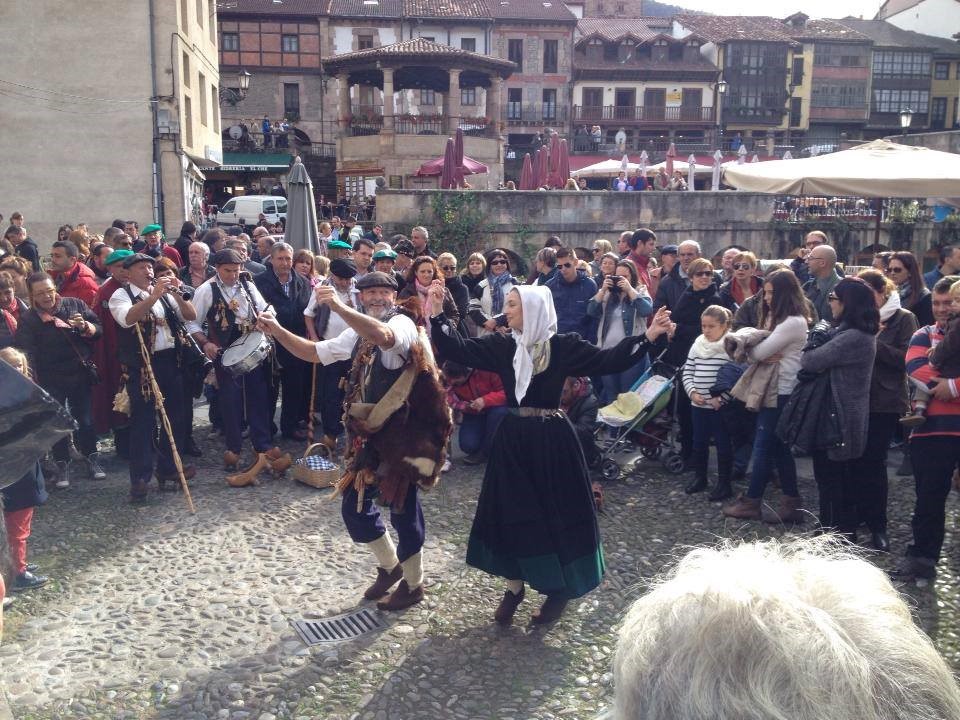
<point>475,256</point>
<point>777,630</point>
<point>699,265</point>
<point>718,313</point>
<point>605,246</point>
<point>15,359</point>
<point>447,256</point>
<point>571,184</point>
<point>321,265</point>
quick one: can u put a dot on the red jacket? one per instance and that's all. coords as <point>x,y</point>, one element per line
<point>78,283</point>
<point>480,383</point>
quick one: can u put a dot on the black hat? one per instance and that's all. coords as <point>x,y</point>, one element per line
<point>343,268</point>
<point>669,250</point>
<point>227,257</point>
<point>137,258</point>
<point>405,247</point>
<point>377,279</point>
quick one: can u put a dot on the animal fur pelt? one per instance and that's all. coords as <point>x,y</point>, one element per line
<point>410,447</point>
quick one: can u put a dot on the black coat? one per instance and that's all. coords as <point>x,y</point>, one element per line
<point>55,353</point>
<point>289,310</point>
<point>461,295</point>
<point>670,289</point>
<point>27,492</point>
<point>686,314</point>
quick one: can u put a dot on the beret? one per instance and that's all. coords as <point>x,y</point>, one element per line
<point>376,279</point>
<point>384,254</point>
<point>343,268</point>
<point>151,228</point>
<point>405,247</point>
<point>135,258</point>
<point>339,245</point>
<point>117,256</point>
<point>668,250</point>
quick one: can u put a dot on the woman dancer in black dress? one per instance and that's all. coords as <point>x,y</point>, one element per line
<point>535,520</point>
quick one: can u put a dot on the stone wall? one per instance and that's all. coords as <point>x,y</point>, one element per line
<point>946,141</point>
<point>524,220</point>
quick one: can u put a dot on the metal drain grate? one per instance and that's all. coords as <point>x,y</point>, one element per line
<point>339,628</point>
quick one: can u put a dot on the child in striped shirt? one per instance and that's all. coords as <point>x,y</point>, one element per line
<point>704,360</point>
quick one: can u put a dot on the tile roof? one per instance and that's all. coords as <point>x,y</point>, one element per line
<point>530,10</point>
<point>416,46</point>
<point>613,29</point>
<point>360,8</point>
<point>720,28</point>
<point>445,8</point>
<point>815,30</point>
<point>887,34</point>
<point>226,8</point>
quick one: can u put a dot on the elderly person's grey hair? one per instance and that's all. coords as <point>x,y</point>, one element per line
<point>547,256</point>
<point>279,247</point>
<point>804,630</point>
<point>691,243</point>
<point>421,229</point>
<point>202,246</point>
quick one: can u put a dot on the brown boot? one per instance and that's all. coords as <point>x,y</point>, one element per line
<point>745,508</point>
<point>550,611</point>
<point>230,460</point>
<point>788,512</point>
<point>508,606</point>
<point>281,464</point>
<point>249,476</point>
<point>386,579</point>
<point>402,598</point>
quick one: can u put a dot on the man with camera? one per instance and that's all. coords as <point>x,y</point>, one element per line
<point>146,344</point>
<point>57,334</point>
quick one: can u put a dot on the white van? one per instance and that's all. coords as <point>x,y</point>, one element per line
<point>246,210</point>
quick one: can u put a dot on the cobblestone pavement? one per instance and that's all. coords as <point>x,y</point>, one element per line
<point>154,613</point>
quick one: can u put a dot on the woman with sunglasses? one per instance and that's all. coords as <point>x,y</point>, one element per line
<point>846,353</point>
<point>423,271</point>
<point>744,284</point>
<point>487,297</point>
<point>447,262</point>
<point>904,271</point>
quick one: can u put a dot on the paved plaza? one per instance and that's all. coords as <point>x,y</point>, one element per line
<point>154,613</point>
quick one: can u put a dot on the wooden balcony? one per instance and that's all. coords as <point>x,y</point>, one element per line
<point>629,114</point>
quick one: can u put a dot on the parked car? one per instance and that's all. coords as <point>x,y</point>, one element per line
<point>246,210</point>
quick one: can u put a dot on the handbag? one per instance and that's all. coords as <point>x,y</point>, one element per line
<point>90,370</point>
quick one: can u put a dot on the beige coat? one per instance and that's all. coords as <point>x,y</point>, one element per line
<point>757,387</point>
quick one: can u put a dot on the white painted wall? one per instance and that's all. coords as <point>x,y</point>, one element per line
<point>610,88</point>
<point>940,18</point>
<point>342,40</point>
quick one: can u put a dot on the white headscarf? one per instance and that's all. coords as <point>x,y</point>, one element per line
<point>532,354</point>
<point>890,307</point>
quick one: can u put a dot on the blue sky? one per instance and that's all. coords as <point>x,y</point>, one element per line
<point>779,8</point>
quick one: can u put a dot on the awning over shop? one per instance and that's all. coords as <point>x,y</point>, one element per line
<point>255,162</point>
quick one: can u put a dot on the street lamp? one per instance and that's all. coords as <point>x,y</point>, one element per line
<point>906,116</point>
<point>721,91</point>
<point>232,97</point>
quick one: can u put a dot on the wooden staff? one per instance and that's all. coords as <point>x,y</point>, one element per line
<point>313,395</point>
<point>158,396</point>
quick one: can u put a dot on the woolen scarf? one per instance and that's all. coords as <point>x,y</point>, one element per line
<point>496,283</point>
<point>890,307</point>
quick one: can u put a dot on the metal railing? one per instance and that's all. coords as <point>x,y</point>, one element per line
<point>257,142</point>
<point>415,125</point>
<point>518,113</point>
<point>642,113</point>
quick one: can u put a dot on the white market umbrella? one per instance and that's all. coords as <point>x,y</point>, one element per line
<point>741,154</point>
<point>644,159</point>
<point>691,170</point>
<point>755,158</point>
<point>875,169</point>
<point>681,165</point>
<point>607,168</point>
<point>788,155</point>
<point>624,163</point>
<point>715,181</point>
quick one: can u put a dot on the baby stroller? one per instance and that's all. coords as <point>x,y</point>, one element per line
<point>637,419</point>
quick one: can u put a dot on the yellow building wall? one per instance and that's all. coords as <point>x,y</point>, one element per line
<point>948,89</point>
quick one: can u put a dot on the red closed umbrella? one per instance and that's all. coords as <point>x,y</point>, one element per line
<point>526,174</point>
<point>554,161</point>
<point>447,175</point>
<point>564,163</point>
<point>458,159</point>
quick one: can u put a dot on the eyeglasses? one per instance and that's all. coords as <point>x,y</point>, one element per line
<point>448,268</point>
<point>565,265</point>
<point>704,273</point>
<point>894,270</point>
<point>499,261</point>
<point>743,266</point>
<point>832,296</point>
<point>597,249</point>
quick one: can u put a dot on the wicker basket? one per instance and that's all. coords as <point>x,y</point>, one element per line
<point>321,472</point>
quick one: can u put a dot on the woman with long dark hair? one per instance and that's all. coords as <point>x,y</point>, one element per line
<point>847,351</point>
<point>423,271</point>
<point>888,401</point>
<point>904,270</point>
<point>784,314</point>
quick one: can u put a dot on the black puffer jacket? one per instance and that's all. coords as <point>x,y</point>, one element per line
<point>686,314</point>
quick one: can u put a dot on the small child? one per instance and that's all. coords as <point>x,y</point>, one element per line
<point>706,357</point>
<point>19,501</point>
<point>944,356</point>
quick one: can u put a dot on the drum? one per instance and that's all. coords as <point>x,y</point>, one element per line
<point>246,353</point>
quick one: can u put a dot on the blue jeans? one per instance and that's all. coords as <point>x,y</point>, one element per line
<point>769,450</point>
<point>613,385</point>
<point>477,430</point>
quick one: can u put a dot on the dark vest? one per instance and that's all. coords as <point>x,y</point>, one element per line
<point>377,379</point>
<point>128,347</point>
<point>222,327</point>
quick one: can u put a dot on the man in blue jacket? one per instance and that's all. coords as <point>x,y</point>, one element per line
<point>572,289</point>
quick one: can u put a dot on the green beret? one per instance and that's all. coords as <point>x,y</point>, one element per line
<point>151,228</point>
<point>339,245</point>
<point>385,254</point>
<point>117,256</point>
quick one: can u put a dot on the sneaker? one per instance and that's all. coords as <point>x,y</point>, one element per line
<point>63,475</point>
<point>446,466</point>
<point>96,470</point>
<point>7,602</point>
<point>28,581</point>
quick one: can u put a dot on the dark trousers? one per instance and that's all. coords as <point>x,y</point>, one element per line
<point>769,450</point>
<point>685,420</point>
<point>246,396</point>
<point>870,491</point>
<point>144,420</point>
<point>741,425</point>
<point>367,525</point>
<point>330,396</point>
<point>75,395</point>
<point>837,487</point>
<point>934,460</point>
<point>477,429</point>
<point>709,424</point>
<point>294,379</point>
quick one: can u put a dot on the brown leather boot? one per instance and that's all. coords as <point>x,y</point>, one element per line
<point>402,598</point>
<point>249,476</point>
<point>230,460</point>
<point>281,464</point>
<point>550,611</point>
<point>508,606</point>
<point>745,508</point>
<point>386,579</point>
<point>789,511</point>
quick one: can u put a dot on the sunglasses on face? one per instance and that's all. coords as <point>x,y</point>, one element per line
<point>498,262</point>
<point>743,266</point>
<point>448,268</point>
<point>894,270</point>
<point>704,273</point>
<point>565,265</point>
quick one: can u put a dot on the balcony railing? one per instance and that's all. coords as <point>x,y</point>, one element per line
<point>420,125</point>
<point>516,113</point>
<point>642,114</point>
